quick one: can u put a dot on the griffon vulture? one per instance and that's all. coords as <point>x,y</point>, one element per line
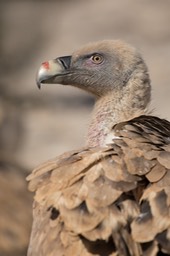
<point>111,197</point>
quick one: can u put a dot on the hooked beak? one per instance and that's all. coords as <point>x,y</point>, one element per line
<point>53,71</point>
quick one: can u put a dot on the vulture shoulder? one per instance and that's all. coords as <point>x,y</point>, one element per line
<point>106,201</point>
<point>112,197</point>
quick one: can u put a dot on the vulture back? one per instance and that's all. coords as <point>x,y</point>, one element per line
<point>112,200</point>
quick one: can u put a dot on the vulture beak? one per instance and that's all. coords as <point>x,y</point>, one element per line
<point>52,71</point>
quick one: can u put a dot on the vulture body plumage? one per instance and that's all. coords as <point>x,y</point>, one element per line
<point>111,197</point>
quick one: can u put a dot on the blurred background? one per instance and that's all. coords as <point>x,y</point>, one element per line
<point>38,125</point>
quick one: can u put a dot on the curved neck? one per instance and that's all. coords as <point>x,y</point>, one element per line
<point>109,110</point>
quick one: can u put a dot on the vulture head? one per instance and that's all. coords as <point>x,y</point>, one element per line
<point>114,72</point>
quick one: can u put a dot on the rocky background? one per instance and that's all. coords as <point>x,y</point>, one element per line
<point>38,125</point>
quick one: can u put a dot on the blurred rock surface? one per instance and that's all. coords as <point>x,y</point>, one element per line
<point>15,210</point>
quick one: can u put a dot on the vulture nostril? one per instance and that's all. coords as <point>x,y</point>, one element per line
<point>66,61</point>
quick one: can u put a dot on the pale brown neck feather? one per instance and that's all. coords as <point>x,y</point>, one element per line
<point>108,111</point>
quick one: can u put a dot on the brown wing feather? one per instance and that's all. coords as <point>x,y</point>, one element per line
<point>106,201</point>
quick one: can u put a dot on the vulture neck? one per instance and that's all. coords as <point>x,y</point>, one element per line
<point>108,111</point>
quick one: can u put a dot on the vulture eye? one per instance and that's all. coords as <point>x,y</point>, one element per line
<point>97,58</point>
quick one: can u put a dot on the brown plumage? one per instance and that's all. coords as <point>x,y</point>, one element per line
<point>111,197</point>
